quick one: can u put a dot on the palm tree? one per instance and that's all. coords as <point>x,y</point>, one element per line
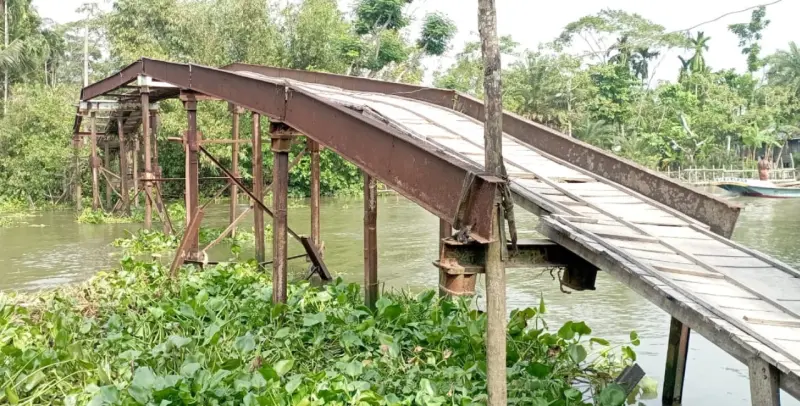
<point>686,65</point>
<point>640,62</point>
<point>623,49</point>
<point>698,44</point>
<point>785,68</point>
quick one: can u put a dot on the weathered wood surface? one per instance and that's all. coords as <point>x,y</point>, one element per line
<point>743,301</point>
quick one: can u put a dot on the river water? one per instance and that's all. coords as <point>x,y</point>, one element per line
<point>52,249</point>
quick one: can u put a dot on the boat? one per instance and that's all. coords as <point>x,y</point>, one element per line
<point>756,188</point>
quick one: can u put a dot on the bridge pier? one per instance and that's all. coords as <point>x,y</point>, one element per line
<point>764,383</point>
<point>258,189</point>
<point>370,241</point>
<point>148,159</point>
<point>316,238</point>
<point>95,163</point>
<point>281,142</point>
<point>123,169</point>
<point>675,370</point>
<point>234,203</point>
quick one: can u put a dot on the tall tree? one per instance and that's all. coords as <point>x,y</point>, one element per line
<point>749,35</point>
<point>785,68</point>
<point>698,44</point>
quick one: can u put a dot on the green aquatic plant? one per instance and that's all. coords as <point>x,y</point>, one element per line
<point>89,216</point>
<point>132,336</point>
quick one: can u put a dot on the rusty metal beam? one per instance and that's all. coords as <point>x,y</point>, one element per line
<point>421,173</point>
<point>719,214</point>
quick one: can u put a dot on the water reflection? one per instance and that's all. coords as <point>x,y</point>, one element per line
<point>64,251</point>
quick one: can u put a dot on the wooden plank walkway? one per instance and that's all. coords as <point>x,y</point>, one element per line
<point>744,301</point>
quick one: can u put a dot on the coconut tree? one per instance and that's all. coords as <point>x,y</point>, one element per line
<point>699,44</point>
<point>785,68</point>
<point>640,62</point>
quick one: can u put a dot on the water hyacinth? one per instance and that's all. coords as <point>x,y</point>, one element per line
<point>133,337</point>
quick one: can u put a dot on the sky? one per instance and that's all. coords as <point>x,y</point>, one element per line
<point>532,22</point>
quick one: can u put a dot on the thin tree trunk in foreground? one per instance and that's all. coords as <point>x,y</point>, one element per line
<point>495,268</point>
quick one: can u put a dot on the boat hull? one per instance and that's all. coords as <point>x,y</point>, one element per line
<point>773,192</point>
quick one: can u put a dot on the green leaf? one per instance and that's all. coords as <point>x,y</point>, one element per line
<point>600,341</point>
<point>577,352</point>
<point>86,327</point>
<point>350,339</point>
<point>581,328</point>
<point>294,383</point>
<point>628,352</point>
<point>245,344</point>
<point>572,394</point>
<point>179,342</point>
<point>612,395</point>
<point>189,369</point>
<point>157,312</point>
<point>144,377</point>
<point>538,370</point>
<point>566,332</point>
<point>314,319</point>
<point>282,333</point>
<point>382,303</point>
<point>283,366</point>
<point>635,338</point>
<point>354,368</point>
<point>541,305</point>
<point>11,395</point>
<point>391,312</point>
<point>211,333</point>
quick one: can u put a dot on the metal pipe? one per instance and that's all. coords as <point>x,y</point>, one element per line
<point>235,168</point>
<point>370,241</point>
<point>148,160</point>
<point>95,179</point>
<point>192,173</point>
<point>316,237</point>
<point>258,189</point>
<point>280,181</point>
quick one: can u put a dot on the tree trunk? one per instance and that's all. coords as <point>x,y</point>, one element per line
<point>495,269</point>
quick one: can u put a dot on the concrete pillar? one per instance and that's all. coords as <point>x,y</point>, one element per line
<point>764,383</point>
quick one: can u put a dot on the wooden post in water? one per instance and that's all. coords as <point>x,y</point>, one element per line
<point>232,211</point>
<point>95,163</point>
<point>495,268</point>
<point>192,171</point>
<point>281,142</point>
<point>148,159</point>
<point>764,383</point>
<point>675,371</point>
<point>370,241</point>
<point>123,169</point>
<point>258,189</point>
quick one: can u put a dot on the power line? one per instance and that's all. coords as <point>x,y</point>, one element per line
<point>726,15</point>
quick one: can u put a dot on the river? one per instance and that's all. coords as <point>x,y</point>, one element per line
<point>52,249</point>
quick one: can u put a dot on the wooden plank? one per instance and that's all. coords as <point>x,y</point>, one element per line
<point>617,232</point>
<point>686,274</point>
<point>675,232</point>
<point>732,262</point>
<point>659,256</point>
<point>776,321</point>
<point>722,289</point>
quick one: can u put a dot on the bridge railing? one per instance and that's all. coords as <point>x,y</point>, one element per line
<point>705,176</point>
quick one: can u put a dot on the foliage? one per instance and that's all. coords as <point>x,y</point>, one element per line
<point>89,216</point>
<point>749,34</point>
<point>437,31</point>
<point>154,241</point>
<point>131,336</point>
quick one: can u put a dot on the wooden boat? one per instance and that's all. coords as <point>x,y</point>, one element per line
<point>757,188</point>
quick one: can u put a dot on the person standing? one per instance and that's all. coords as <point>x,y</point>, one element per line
<point>763,168</point>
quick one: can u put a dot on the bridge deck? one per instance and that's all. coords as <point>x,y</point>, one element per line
<point>745,301</point>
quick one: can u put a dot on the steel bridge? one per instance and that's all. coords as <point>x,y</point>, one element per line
<point>666,241</point>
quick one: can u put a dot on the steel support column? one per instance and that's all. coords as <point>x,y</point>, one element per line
<point>675,372</point>
<point>370,241</point>
<point>95,162</point>
<point>316,238</point>
<point>123,169</point>
<point>78,189</point>
<point>281,144</point>
<point>107,165</point>
<point>234,203</point>
<point>148,159</point>
<point>192,172</point>
<point>135,159</point>
<point>258,190</point>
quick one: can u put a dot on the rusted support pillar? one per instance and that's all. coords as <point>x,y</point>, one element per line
<point>123,168</point>
<point>258,191</point>
<point>192,170</point>
<point>148,159</point>
<point>316,238</point>
<point>370,241</point>
<point>76,153</point>
<point>236,110</point>
<point>677,350</point>
<point>95,163</point>
<point>764,383</point>
<point>107,165</point>
<point>154,134</point>
<point>281,143</point>
<point>135,158</point>
<point>445,230</point>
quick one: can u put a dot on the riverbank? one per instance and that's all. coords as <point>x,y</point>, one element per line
<point>131,336</point>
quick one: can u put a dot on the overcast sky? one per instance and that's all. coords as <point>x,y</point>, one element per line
<point>532,22</point>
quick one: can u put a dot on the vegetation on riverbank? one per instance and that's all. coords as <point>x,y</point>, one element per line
<point>608,97</point>
<point>131,336</point>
